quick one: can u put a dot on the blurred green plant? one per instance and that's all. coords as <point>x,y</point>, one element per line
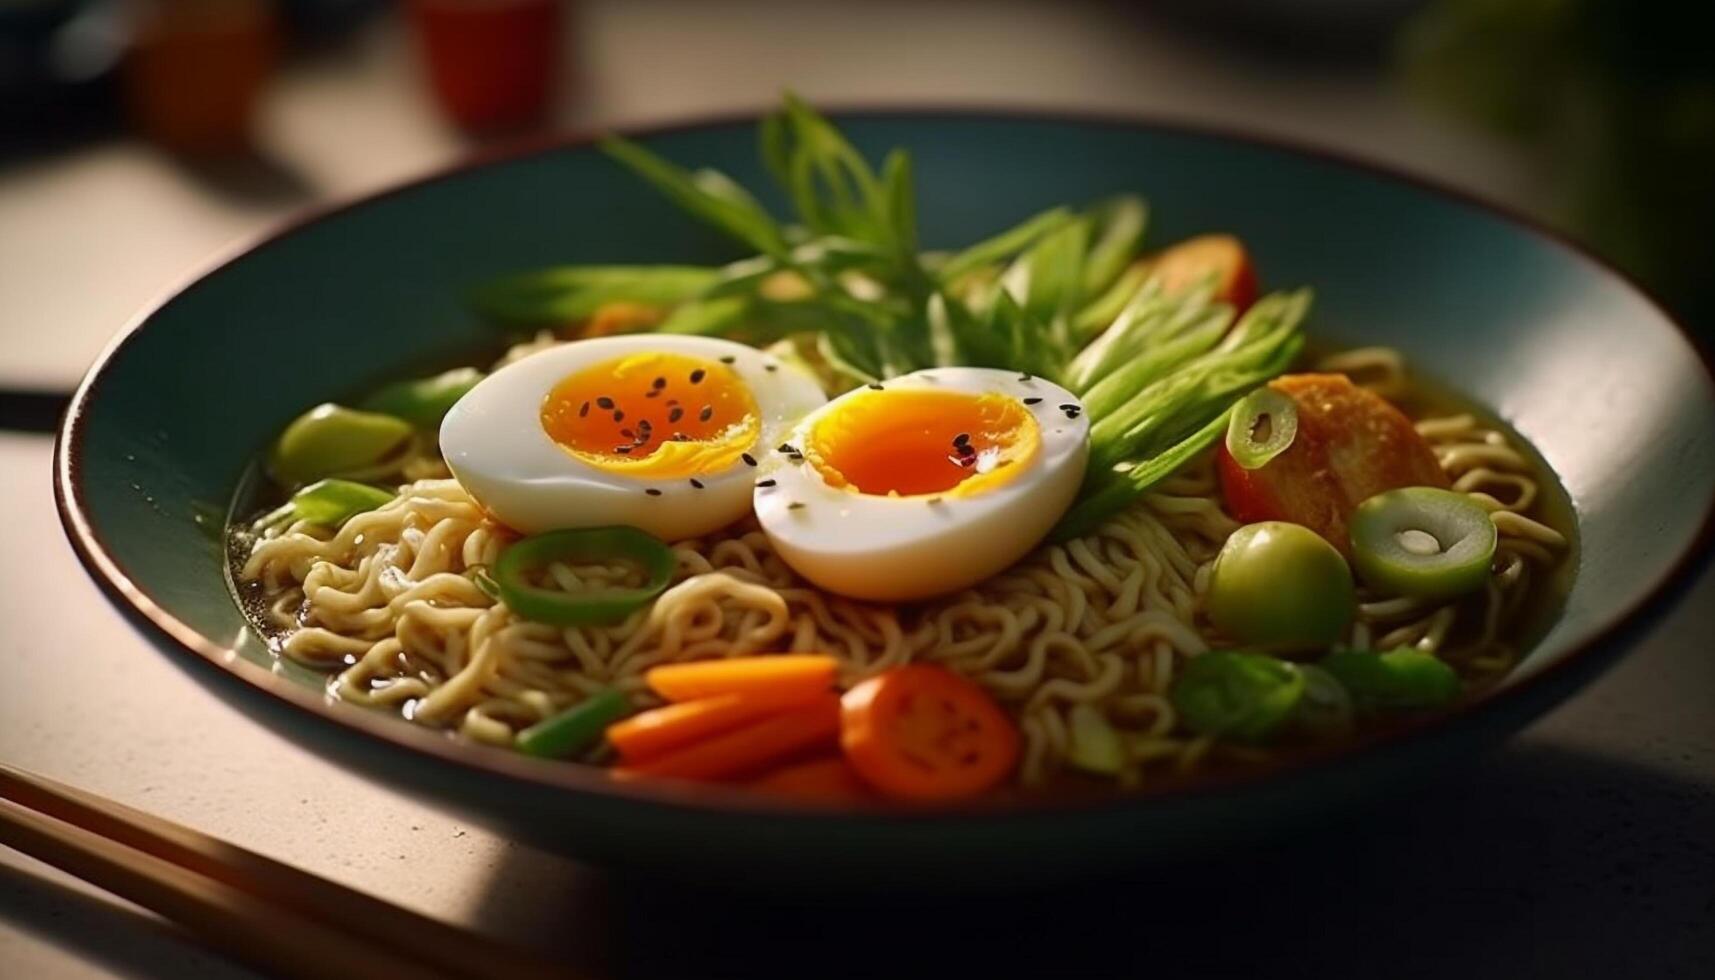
<point>1617,97</point>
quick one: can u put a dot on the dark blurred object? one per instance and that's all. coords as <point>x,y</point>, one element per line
<point>1355,32</point>
<point>491,63</point>
<point>196,70</point>
<point>1618,98</point>
<point>310,19</point>
<point>57,66</point>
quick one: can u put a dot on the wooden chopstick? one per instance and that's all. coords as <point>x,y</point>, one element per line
<point>254,908</point>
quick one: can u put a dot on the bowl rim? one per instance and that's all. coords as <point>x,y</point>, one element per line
<point>433,747</point>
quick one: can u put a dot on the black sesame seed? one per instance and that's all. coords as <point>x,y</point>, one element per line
<point>771,367</point>
<point>1068,407</point>
<point>795,505</point>
<point>1025,377</point>
<point>696,483</point>
<point>675,414</point>
<point>622,450</point>
<point>652,393</point>
<point>765,483</point>
<point>681,437</point>
<point>604,402</point>
<point>627,433</point>
<point>874,384</point>
<point>618,416</point>
<point>707,413</point>
<point>934,500</point>
<point>749,460</point>
<point>651,491</point>
<point>961,438</point>
<point>645,426</point>
<point>728,359</point>
<point>584,410</point>
<point>658,383</point>
<point>698,375</point>
<point>786,448</point>
<point>1033,401</point>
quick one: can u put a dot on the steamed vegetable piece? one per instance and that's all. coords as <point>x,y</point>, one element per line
<point>575,729</point>
<point>1263,425</point>
<point>655,732</point>
<point>1423,541</point>
<point>1221,259</point>
<point>1351,445</point>
<point>522,560</point>
<point>1237,695</point>
<point>333,502</point>
<point>778,675</point>
<point>331,440</point>
<point>425,401</point>
<point>1280,586</point>
<point>830,780</point>
<point>1096,746</point>
<point>1397,680</point>
<point>1326,709</point>
<point>751,748</point>
<point>926,734</point>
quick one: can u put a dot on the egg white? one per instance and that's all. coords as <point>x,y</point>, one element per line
<point>889,548</point>
<point>494,442</point>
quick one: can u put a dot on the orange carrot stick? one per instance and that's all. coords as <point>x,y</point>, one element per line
<point>655,732</point>
<point>808,673</point>
<point>754,747</point>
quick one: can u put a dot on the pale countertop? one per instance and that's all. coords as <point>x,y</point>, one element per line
<point>1582,848</point>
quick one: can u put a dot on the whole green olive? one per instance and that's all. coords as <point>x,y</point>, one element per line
<point>330,439</point>
<point>1281,587</point>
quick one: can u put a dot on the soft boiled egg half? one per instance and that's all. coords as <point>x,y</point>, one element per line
<point>660,432</point>
<point>925,484</point>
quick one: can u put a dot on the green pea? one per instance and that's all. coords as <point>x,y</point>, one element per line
<point>424,401</point>
<point>1281,587</point>
<point>1237,695</point>
<point>329,439</point>
<point>1423,541</point>
<point>1398,680</point>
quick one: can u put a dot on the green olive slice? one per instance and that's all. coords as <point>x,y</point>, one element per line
<point>1423,542</point>
<point>1262,426</point>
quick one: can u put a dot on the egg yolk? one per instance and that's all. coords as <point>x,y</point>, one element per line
<point>656,414</point>
<point>915,441</point>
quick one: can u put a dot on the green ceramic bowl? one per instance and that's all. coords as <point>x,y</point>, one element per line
<point>1565,350</point>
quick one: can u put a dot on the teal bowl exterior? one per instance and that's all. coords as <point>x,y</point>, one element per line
<point>1613,395</point>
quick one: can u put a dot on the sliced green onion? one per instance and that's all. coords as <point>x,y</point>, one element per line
<point>598,607</point>
<point>330,439</point>
<point>1262,427</point>
<point>1398,680</point>
<point>1237,695</point>
<point>333,502</point>
<point>574,729</point>
<point>1095,746</point>
<point>1326,710</point>
<point>425,401</point>
<point>1423,542</point>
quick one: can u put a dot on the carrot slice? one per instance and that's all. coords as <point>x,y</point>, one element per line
<point>780,673</point>
<point>655,732</point>
<point>925,733</point>
<point>1223,256</point>
<point>750,749</point>
<point>829,780</point>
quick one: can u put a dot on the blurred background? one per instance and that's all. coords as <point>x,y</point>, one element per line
<point>138,138</point>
